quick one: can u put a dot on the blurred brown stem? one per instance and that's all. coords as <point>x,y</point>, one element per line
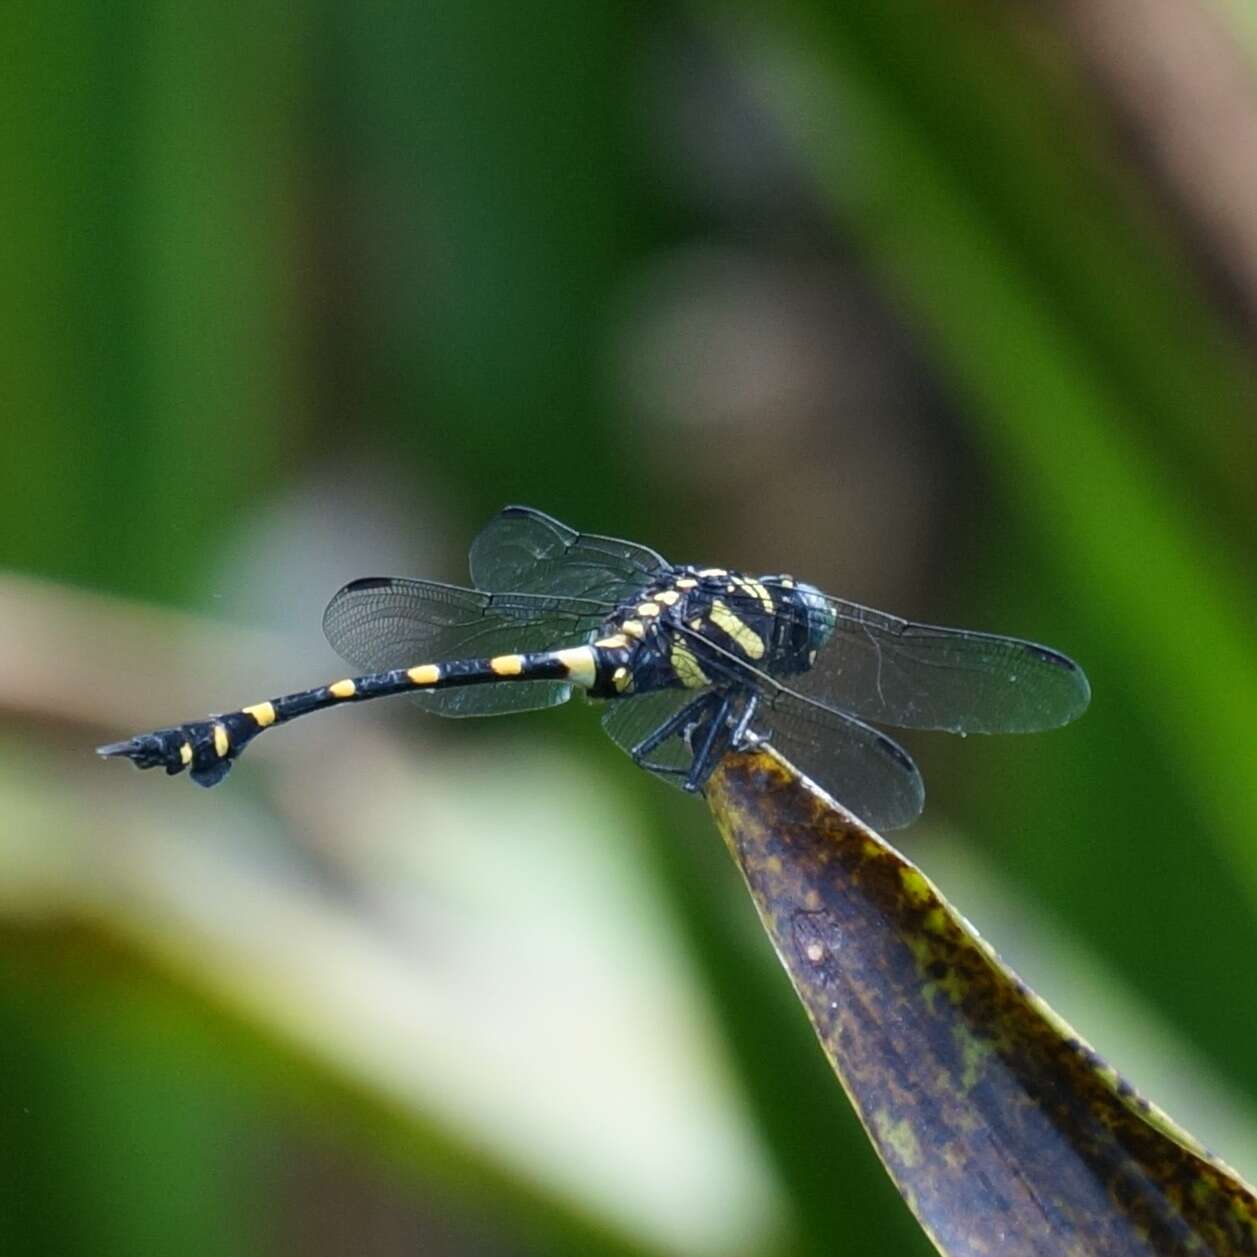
<point>1185,92</point>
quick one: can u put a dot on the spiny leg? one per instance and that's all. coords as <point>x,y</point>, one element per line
<point>690,714</point>
<point>699,771</point>
<point>721,735</point>
<point>207,747</point>
<point>738,738</point>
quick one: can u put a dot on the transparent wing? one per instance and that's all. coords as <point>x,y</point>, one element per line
<point>870,773</point>
<point>380,623</point>
<point>524,551</point>
<point>917,676</point>
<point>866,771</point>
<point>628,721</point>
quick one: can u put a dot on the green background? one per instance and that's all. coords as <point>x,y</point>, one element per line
<point>923,303</point>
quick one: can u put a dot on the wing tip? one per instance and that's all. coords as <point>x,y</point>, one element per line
<point>336,607</point>
<point>366,582</point>
<point>900,812</point>
<point>1081,695</point>
<point>888,746</point>
<point>1048,655</point>
<point>516,510</point>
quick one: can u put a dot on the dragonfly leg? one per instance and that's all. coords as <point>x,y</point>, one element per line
<point>704,755</point>
<point>689,714</point>
<point>723,734</point>
<point>738,739</point>
<point>664,770</point>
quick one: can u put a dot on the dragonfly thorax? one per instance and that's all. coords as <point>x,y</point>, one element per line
<point>700,627</point>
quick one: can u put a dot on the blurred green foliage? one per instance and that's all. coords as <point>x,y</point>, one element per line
<point>886,295</point>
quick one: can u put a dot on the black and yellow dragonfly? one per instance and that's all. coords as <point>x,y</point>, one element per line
<point>691,661</point>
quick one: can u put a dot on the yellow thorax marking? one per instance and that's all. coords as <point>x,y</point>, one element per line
<point>262,713</point>
<point>685,665</point>
<point>648,609</point>
<point>766,599</point>
<point>507,665</point>
<point>580,664</point>
<point>424,674</point>
<point>621,678</point>
<point>746,638</point>
<point>222,743</point>
<point>185,753</point>
<point>687,582</point>
<point>713,571</point>
<point>667,597</point>
<point>343,689</point>
<point>756,590</point>
<point>617,641</point>
<point>634,628</point>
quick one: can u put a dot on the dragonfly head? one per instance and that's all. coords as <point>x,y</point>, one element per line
<point>819,616</point>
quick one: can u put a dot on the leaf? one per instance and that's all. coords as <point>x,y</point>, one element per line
<point>1002,1128</point>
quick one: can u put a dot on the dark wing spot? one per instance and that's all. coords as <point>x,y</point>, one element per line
<point>896,752</point>
<point>1052,656</point>
<point>368,582</point>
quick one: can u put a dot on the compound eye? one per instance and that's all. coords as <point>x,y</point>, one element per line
<point>821,619</point>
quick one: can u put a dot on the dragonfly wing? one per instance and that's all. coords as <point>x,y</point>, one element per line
<point>380,623</point>
<point>871,774</point>
<point>918,676</point>
<point>629,721</point>
<point>526,551</point>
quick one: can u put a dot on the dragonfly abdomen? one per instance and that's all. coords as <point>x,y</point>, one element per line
<point>206,748</point>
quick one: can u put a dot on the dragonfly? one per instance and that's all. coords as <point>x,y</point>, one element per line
<point>691,662</point>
